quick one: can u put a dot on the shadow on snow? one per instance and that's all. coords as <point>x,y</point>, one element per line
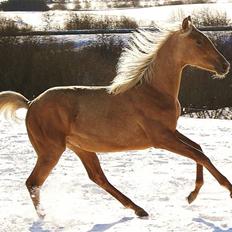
<point>104,227</point>
<point>211,225</point>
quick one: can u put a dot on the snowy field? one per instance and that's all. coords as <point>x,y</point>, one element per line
<point>144,16</point>
<point>157,180</point>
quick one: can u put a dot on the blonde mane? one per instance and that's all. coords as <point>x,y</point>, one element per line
<point>136,62</point>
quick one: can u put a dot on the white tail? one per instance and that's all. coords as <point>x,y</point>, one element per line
<point>10,102</point>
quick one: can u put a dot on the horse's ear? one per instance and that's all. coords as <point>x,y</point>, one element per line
<point>187,24</point>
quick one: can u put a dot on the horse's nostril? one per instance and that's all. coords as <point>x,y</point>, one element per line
<point>225,65</point>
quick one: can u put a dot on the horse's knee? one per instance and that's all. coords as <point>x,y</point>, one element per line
<point>98,179</point>
<point>203,160</point>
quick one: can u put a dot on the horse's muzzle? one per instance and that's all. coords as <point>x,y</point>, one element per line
<point>223,68</point>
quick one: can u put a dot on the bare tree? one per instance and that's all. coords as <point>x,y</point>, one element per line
<point>135,3</point>
<point>87,4</point>
<point>77,4</point>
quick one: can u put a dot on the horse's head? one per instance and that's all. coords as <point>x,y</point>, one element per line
<point>196,49</point>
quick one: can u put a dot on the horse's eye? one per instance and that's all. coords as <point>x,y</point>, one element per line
<point>199,42</point>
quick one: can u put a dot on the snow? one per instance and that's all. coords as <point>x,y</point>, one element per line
<point>157,180</point>
<point>144,16</point>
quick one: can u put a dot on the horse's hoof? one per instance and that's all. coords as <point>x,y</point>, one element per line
<point>190,199</point>
<point>141,213</point>
<point>41,214</point>
<point>192,196</point>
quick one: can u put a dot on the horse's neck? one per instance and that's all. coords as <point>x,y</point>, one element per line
<point>167,74</point>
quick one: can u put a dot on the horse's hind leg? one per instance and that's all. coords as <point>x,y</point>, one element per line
<point>95,173</point>
<point>199,168</point>
<point>48,151</point>
<point>43,167</point>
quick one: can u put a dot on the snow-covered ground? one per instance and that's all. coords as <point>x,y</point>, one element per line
<point>144,16</point>
<point>157,180</point>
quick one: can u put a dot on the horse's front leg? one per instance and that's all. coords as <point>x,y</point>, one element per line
<point>167,139</point>
<point>199,168</point>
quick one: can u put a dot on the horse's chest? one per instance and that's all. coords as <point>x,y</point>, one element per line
<point>163,115</point>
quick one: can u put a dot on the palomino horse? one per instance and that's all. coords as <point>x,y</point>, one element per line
<point>139,110</point>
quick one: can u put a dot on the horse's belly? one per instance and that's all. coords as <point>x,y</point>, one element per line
<point>105,146</point>
<point>108,138</point>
